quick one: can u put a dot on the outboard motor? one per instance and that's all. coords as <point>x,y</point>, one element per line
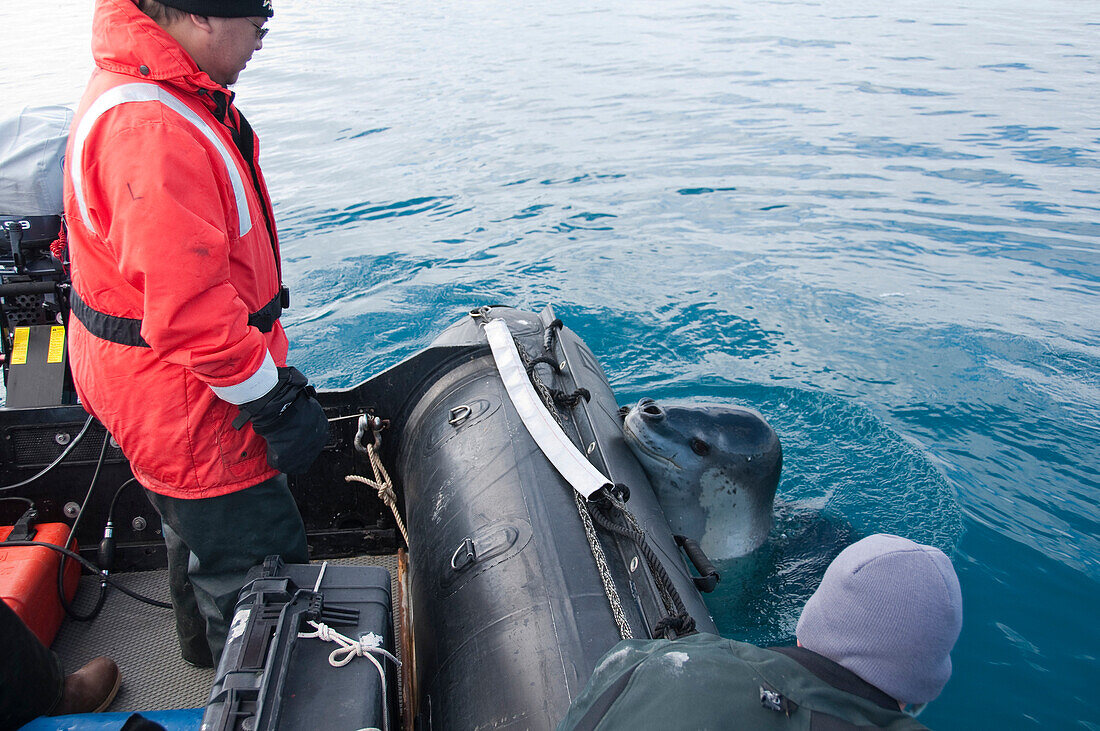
<point>34,286</point>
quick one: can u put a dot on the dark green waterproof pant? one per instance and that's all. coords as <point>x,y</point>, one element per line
<point>212,543</point>
<point>31,679</point>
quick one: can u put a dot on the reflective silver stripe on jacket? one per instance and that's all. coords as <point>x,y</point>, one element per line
<point>140,91</point>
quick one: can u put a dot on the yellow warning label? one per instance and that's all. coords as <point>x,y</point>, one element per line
<point>19,346</point>
<point>57,344</point>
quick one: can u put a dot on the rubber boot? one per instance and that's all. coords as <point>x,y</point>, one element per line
<point>190,624</point>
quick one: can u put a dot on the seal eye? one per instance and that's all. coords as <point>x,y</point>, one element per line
<point>700,447</point>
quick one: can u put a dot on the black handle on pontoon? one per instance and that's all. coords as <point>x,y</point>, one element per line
<point>708,575</point>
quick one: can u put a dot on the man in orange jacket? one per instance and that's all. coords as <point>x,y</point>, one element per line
<point>175,340</point>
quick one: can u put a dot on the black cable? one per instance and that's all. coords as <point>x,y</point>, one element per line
<point>114,500</point>
<point>57,461</point>
<point>27,500</point>
<point>69,610</point>
<point>106,557</point>
<point>105,578</point>
<point>91,567</point>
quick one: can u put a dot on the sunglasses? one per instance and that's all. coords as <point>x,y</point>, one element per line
<point>260,31</point>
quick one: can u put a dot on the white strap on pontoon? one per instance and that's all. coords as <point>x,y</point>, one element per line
<point>140,91</point>
<point>554,443</point>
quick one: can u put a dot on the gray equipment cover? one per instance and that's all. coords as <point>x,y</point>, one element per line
<point>32,149</point>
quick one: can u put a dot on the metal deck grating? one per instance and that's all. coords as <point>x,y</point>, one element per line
<point>142,640</point>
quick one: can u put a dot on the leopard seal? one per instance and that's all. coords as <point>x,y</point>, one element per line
<point>714,469</point>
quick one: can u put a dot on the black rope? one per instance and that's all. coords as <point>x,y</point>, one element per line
<point>570,400</point>
<point>542,359</point>
<point>676,624</point>
<point>551,335</point>
<point>561,398</point>
<point>673,626</point>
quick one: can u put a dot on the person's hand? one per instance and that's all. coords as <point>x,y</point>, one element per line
<point>291,420</point>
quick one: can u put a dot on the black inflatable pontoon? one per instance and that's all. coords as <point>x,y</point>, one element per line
<point>510,613</point>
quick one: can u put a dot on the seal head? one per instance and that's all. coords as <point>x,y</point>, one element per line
<point>714,469</point>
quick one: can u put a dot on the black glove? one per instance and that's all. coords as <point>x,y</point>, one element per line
<point>290,420</point>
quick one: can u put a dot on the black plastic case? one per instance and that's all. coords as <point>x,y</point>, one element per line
<point>269,678</point>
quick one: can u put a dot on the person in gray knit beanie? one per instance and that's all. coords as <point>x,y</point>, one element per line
<point>874,646</point>
<point>890,611</point>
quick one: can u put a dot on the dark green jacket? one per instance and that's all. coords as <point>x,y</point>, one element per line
<point>707,682</point>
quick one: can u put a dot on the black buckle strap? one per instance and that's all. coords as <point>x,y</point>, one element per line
<point>121,330</point>
<point>265,318</point>
<point>127,330</point>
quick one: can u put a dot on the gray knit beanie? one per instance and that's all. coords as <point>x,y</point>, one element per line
<point>889,610</point>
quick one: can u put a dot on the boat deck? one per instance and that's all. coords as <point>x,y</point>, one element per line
<point>142,640</point>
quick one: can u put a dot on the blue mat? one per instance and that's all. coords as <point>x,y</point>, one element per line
<point>187,719</point>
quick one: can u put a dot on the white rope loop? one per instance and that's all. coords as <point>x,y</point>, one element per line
<point>349,649</point>
<point>367,646</point>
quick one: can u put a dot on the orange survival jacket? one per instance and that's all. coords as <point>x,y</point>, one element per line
<point>175,263</point>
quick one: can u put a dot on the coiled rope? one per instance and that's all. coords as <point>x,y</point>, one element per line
<point>349,649</point>
<point>367,646</point>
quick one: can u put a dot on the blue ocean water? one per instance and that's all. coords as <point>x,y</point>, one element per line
<point>875,223</point>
